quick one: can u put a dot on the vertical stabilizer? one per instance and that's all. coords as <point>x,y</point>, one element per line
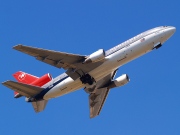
<point>24,77</point>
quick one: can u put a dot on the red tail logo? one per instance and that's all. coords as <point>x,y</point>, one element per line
<point>22,76</point>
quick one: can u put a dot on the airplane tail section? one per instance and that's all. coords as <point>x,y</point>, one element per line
<point>23,78</point>
<point>29,85</point>
<point>27,91</point>
<point>26,78</point>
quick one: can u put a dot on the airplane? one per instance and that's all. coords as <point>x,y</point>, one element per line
<point>95,72</point>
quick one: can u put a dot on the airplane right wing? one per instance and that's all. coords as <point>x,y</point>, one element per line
<point>98,96</point>
<point>96,101</point>
<point>23,89</point>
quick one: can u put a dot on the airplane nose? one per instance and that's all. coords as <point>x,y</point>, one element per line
<point>170,31</point>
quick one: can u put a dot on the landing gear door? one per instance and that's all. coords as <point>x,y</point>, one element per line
<point>74,74</point>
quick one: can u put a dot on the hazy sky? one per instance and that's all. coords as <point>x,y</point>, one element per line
<point>148,105</point>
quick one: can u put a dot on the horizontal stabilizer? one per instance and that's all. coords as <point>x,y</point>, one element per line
<point>39,105</point>
<point>23,89</point>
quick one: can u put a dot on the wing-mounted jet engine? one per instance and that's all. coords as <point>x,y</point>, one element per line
<point>120,81</point>
<point>95,57</point>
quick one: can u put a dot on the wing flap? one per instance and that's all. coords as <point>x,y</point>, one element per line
<point>23,89</point>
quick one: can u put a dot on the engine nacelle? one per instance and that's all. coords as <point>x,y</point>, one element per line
<point>42,80</point>
<point>96,56</point>
<point>120,81</point>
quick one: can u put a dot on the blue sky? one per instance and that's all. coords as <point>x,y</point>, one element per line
<point>149,104</point>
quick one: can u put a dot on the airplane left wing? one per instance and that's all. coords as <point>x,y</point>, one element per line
<point>73,63</point>
<point>99,95</point>
<point>54,58</point>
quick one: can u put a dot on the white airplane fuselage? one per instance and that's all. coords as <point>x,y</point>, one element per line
<point>115,57</point>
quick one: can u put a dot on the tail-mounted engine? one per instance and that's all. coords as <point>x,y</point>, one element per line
<point>42,80</point>
<point>95,57</point>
